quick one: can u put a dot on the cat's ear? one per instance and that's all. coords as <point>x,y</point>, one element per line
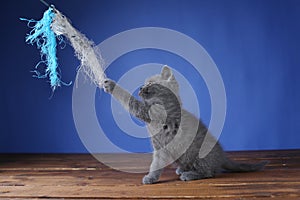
<point>166,73</point>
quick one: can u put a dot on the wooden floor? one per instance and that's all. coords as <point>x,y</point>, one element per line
<point>84,177</point>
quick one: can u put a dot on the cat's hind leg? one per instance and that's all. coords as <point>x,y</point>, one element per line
<point>179,171</point>
<point>192,175</point>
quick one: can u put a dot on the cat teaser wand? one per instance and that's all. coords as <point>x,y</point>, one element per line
<point>47,32</point>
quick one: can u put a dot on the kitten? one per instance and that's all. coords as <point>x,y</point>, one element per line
<point>177,135</point>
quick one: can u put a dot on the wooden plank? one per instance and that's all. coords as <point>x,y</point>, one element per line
<point>83,177</point>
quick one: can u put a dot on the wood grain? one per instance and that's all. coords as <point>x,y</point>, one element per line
<point>81,176</point>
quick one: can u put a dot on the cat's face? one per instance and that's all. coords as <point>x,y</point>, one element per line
<point>160,83</point>
<point>152,91</point>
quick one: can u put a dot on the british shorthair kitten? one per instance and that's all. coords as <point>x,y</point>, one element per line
<point>177,135</point>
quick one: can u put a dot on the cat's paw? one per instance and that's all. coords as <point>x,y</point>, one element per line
<point>188,176</point>
<point>109,85</point>
<point>149,179</point>
<point>179,171</point>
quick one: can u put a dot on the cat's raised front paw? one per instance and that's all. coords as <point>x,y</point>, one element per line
<point>109,85</point>
<point>149,179</point>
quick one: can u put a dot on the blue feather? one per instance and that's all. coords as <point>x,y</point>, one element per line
<point>45,39</point>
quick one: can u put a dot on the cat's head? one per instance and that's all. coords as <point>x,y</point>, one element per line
<point>158,83</point>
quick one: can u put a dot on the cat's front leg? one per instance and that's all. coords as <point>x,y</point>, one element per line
<point>156,168</point>
<point>152,177</point>
<point>131,104</point>
<point>118,93</point>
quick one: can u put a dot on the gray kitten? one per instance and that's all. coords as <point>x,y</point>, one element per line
<point>177,136</point>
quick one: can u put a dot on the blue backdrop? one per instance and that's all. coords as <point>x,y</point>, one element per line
<point>255,44</point>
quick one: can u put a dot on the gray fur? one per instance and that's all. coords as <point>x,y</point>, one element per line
<point>176,134</point>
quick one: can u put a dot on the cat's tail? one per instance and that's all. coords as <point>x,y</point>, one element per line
<point>233,166</point>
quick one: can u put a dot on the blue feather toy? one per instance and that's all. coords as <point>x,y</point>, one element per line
<point>45,34</point>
